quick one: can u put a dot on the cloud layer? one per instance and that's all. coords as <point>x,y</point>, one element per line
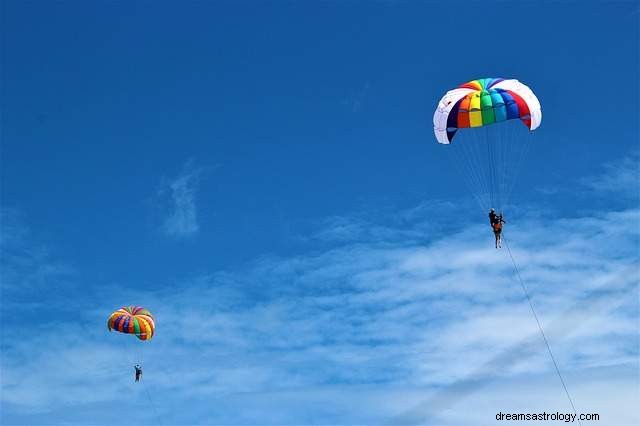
<point>382,326</point>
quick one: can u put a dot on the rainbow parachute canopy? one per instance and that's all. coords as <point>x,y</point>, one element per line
<point>133,320</point>
<point>482,102</point>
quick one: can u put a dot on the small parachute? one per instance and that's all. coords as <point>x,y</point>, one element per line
<point>489,157</point>
<point>134,320</point>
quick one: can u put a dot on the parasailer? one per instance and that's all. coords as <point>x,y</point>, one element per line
<point>496,221</point>
<point>138,372</point>
<point>486,157</point>
<point>134,320</point>
<point>489,157</point>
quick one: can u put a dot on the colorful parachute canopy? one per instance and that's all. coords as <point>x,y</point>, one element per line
<point>133,320</point>
<point>482,102</point>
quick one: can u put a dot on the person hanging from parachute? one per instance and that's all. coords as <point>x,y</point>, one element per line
<point>138,372</point>
<point>489,158</point>
<point>497,229</point>
<point>134,320</point>
<point>496,222</point>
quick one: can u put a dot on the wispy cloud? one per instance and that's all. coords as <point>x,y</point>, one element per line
<point>26,265</point>
<point>620,178</point>
<point>179,197</point>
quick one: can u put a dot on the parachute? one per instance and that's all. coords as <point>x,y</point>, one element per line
<point>134,320</point>
<point>489,157</point>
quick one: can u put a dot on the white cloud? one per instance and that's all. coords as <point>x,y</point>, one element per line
<point>621,178</point>
<point>181,218</point>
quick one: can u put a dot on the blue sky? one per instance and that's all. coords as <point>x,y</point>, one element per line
<point>263,176</point>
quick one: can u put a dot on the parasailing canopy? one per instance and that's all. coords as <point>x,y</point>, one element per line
<point>482,102</point>
<point>134,320</point>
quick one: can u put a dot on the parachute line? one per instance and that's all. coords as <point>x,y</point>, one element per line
<point>544,337</point>
<point>155,410</point>
<point>471,173</point>
<point>516,172</point>
<point>489,160</point>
